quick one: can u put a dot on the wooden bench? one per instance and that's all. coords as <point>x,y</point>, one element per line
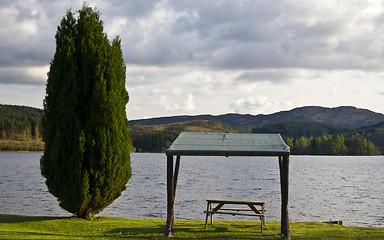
<point>252,210</point>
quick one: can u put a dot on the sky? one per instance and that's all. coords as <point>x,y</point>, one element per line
<point>190,57</point>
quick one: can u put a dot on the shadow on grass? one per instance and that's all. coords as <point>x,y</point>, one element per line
<point>198,231</point>
<point>26,235</point>
<point>137,230</point>
<point>4,218</point>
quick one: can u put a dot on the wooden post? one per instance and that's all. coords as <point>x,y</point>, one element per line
<point>284,183</point>
<point>177,166</point>
<point>171,194</point>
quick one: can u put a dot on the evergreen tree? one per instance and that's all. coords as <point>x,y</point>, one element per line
<point>86,160</point>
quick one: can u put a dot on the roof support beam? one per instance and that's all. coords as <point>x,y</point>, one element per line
<point>284,182</point>
<point>171,194</point>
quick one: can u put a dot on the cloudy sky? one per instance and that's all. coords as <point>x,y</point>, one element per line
<point>212,57</point>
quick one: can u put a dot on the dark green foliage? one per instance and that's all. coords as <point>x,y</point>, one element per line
<point>20,122</point>
<point>86,160</point>
<point>298,129</point>
<point>321,139</point>
<point>153,141</point>
<point>360,146</point>
<point>157,138</point>
<point>374,133</point>
<point>331,145</point>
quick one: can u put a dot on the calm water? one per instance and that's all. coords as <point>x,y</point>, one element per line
<point>350,189</point>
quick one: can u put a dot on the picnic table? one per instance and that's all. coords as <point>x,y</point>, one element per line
<point>252,210</point>
<point>227,144</point>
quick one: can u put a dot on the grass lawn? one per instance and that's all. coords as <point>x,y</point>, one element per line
<point>29,227</point>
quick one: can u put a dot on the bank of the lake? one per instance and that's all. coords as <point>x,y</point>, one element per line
<point>33,227</point>
<point>21,146</point>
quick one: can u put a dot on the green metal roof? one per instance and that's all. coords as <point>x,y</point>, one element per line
<point>228,144</point>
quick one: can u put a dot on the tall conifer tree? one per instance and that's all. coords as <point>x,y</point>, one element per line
<point>86,160</point>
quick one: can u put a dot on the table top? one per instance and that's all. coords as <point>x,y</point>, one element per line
<point>232,201</point>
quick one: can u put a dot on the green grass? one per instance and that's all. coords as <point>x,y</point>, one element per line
<point>28,227</point>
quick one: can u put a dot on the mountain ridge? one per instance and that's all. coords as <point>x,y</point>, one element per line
<point>343,116</point>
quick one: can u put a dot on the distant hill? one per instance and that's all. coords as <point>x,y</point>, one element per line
<point>188,126</point>
<point>17,122</point>
<point>20,124</point>
<point>156,138</point>
<point>345,117</point>
<point>20,128</point>
<point>302,129</point>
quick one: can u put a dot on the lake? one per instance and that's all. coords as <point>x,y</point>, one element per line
<point>322,188</point>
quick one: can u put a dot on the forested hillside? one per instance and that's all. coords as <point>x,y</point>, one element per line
<point>156,138</point>
<point>20,128</point>
<point>374,133</point>
<point>300,129</point>
<point>324,139</point>
<point>302,137</point>
<point>20,122</point>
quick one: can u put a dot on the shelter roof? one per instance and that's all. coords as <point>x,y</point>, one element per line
<point>228,144</point>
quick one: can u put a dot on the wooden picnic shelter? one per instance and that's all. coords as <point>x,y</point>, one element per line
<point>227,144</point>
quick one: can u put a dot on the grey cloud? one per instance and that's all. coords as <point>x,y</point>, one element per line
<point>217,35</point>
<point>130,9</point>
<point>27,37</point>
<point>21,76</point>
<point>26,55</point>
<point>143,76</point>
<point>200,32</point>
<point>255,35</point>
<point>272,76</point>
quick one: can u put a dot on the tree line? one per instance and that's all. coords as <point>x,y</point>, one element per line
<point>152,141</point>
<point>157,138</point>
<point>321,139</point>
<point>20,123</point>
<point>331,145</point>
<point>158,141</point>
<point>301,129</point>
